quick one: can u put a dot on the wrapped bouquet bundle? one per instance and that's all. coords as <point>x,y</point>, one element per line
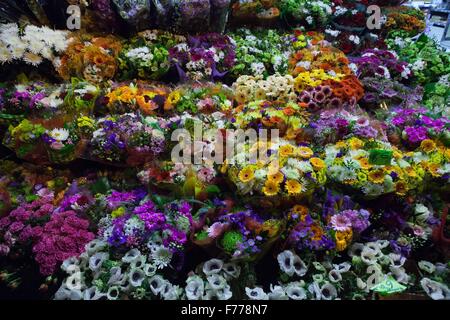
<point>146,56</point>
<point>135,12</point>
<point>349,15</point>
<point>91,58</point>
<point>333,125</point>
<point>289,118</point>
<point>208,56</point>
<point>101,15</point>
<point>275,88</point>
<point>204,99</point>
<point>264,52</point>
<point>409,127</point>
<point>259,12</point>
<point>148,98</point>
<point>80,97</point>
<point>320,56</point>
<point>31,44</point>
<point>62,144</point>
<point>372,168</point>
<point>287,173</point>
<point>312,14</point>
<point>243,235</point>
<point>403,18</point>
<point>25,140</point>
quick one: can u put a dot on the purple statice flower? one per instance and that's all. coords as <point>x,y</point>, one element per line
<point>416,134</point>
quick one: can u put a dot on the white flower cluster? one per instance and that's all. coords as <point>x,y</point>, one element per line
<point>141,53</point>
<point>212,283</point>
<point>324,285</point>
<point>254,88</point>
<point>128,276</point>
<point>32,45</point>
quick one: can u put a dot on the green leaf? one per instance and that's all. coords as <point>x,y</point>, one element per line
<point>101,186</point>
<point>213,189</point>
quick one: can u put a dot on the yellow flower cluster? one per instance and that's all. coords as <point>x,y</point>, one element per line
<point>314,78</point>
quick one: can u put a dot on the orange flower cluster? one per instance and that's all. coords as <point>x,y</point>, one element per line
<point>404,21</point>
<point>347,89</point>
<point>91,58</point>
<point>319,56</point>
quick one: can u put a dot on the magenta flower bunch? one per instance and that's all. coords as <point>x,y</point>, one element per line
<point>63,237</point>
<point>24,225</point>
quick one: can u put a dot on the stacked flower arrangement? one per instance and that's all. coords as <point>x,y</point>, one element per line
<point>371,167</point>
<point>208,56</point>
<point>289,170</point>
<point>315,14</point>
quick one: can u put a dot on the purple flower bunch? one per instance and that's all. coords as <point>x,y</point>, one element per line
<point>393,93</point>
<point>140,136</point>
<point>127,198</point>
<point>145,226</point>
<point>63,237</point>
<point>24,225</point>
<point>337,124</point>
<point>24,99</point>
<point>381,64</point>
<point>416,125</point>
<point>107,143</point>
<point>207,56</point>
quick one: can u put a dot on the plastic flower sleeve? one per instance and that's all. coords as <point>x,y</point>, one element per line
<point>219,15</point>
<point>135,12</point>
<point>194,15</point>
<point>164,11</point>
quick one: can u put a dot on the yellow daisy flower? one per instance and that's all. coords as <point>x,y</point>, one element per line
<point>376,176</point>
<point>286,150</point>
<point>271,188</point>
<point>293,187</point>
<point>428,145</point>
<point>304,152</point>
<point>317,163</point>
<point>247,174</point>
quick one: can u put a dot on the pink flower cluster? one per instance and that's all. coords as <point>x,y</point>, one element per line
<point>64,236</point>
<point>24,223</point>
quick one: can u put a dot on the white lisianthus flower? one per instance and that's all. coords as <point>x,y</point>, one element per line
<point>256,294</point>
<point>212,266</point>
<point>426,266</point>
<point>295,292</point>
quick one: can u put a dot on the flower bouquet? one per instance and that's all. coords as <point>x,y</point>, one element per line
<point>80,97</point>
<point>194,15</point>
<point>408,19</point>
<point>314,15</point>
<point>274,88</point>
<point>91,58</point>
<point>25,140</point>
<point>31,44</point>
<point>437,96</point>
<point>100,15</point>
<point>243,235</point>
<point>288,172</point>
<point>336,124</point>
<point>381,92</point>
<point>263,52</point>
<point>135,12</point>
<point>347,41</point>
<point>145,139</point>
<point>259,12</point>
<point>61,144</point>
<point>349,16</point>
<point>106,144</point>
<point>382,63</point>
<point>289,118</point>
<point>371,167</point>
<point>146,56</point>
<point>413,126</point>
<point>201,99</point>
<point>428,62</point>
<point>319,56</point>
<point>207,56</point>
<point>126,97</point>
